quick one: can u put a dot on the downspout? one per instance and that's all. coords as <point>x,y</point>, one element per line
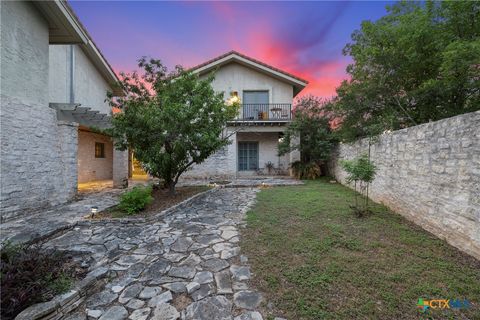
<point>72,74</point>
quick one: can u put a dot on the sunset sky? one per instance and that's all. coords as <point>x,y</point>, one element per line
<point>304,38</point>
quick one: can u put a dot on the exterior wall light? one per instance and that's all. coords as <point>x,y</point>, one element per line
<point>93,210</point>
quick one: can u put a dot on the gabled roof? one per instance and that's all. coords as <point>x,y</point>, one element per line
<point>66,28</point>
<point>234,56</point>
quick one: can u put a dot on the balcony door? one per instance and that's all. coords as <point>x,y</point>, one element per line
<point>254,103</point>
<point>247,156</point>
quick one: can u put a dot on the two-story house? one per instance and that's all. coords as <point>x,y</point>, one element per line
<point>54,82</point>
<point>266,94</point>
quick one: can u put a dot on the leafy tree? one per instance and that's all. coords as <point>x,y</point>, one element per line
<point>361,171</point>
<point>419,63</point>
<point>311,127</point>
<point>171,121</point>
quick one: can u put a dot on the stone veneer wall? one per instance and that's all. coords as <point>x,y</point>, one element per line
<point>37,152</point>
<point>430,174</point>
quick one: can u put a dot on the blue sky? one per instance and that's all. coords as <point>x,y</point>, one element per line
<point>304,38</point>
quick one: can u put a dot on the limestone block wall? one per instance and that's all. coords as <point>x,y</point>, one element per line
<point>221,165</point>
<point>120,168</point>
<point>430,174</point>
<point>35,161</point>
<point>89,167</point>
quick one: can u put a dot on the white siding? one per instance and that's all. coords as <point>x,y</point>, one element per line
<point>236,77</point>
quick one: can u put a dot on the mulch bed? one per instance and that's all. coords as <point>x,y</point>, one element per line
<point>161,200</point>
<point>31,275</point>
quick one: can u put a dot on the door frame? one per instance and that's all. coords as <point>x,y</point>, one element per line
<point>238,155</point>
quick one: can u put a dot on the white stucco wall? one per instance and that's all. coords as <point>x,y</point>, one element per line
<point>36,150</point>
<point>90,88</point>
<point>89,167</point>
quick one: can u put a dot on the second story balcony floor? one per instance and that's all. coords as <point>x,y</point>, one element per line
<point>265,112</point>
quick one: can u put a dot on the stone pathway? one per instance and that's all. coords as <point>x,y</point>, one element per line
<point>45,222</point>
<point>41,224</point>
<point>185,265</point>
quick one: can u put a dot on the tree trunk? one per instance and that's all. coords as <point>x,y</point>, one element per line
<point>171,187</point>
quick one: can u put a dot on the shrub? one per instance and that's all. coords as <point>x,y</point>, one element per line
<point>136,199</point>
<point>30,275</point>
<point>309,170</point>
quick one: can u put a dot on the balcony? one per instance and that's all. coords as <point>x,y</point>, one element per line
<point>265,112</point>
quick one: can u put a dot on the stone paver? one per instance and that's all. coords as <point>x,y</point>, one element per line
<point>44,222</point>
<point>185,265</point>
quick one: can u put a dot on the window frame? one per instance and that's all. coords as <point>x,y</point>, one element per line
<point>248,156</point>
<point>99,150</point>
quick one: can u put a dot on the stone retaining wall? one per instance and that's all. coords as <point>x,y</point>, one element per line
<point>430,174</point>
<point>65,303</point>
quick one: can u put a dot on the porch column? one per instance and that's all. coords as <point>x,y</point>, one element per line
<point>232,154</point>
<point>120,168</point>
<point>295,154</point>
<point>68,147</point>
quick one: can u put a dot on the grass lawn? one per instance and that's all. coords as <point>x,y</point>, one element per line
<point>315,260</point>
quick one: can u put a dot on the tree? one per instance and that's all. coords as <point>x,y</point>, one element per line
<point>361,171</point>
<point>419,63</point>
<point>310,126</point>
<point>171,121</point>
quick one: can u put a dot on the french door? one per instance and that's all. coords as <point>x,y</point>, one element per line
<point>247,156</point>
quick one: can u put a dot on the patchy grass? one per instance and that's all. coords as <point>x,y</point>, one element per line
<point>315,260</point>
<point>161,200</point>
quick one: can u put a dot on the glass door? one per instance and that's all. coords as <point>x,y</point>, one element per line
<point>247,156</point>
<point>255,105</point>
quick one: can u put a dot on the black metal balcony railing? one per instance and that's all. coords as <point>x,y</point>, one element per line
<point>265,112</point>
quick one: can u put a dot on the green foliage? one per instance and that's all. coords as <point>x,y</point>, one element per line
<point>310,170</point>
<point>171,121</point>
<point>418,63</point>
<point>361,171</point>
<point>136,199</point>
<point>30,275</point>
<point>60,284</point>
<point>310,125</point>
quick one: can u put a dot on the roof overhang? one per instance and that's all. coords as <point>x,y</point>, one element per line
<point>66,28</point>
<point>297,83</point>
<point>63,26</point>
<point>85,116</point>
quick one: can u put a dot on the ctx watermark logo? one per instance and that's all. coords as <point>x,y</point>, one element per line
<point>424,305</point>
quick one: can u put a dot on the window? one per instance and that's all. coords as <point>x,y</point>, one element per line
<point>99,150</point>
<point>247,156</point>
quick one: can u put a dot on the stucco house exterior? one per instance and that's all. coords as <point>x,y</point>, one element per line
<point>266,94</point>
<point>54,82</point>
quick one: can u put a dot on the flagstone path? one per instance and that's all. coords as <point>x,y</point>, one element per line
<point>185,265</point>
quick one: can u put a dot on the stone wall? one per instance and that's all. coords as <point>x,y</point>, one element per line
<point>430,174</point>
<point>35,157</point>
